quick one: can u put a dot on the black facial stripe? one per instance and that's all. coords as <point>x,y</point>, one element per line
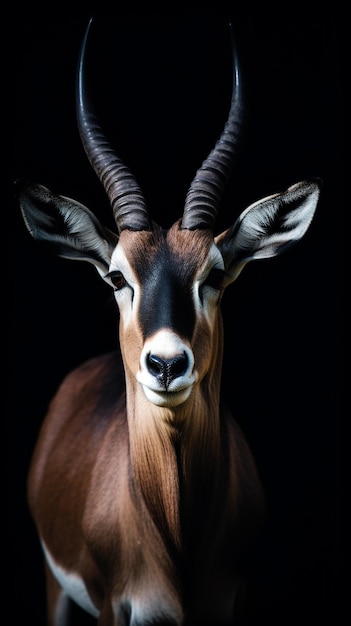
<point>166,299</point>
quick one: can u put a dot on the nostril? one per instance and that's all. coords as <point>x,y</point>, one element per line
<point>178,365</point>
<point>166,370</point>
<point>155,364</point>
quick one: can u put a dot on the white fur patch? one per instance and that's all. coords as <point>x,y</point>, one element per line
<point>72,585</point>
<point>147,603</point>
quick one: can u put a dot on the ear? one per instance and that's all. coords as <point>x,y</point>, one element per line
<point>67,227</point>
<point>268,227</point>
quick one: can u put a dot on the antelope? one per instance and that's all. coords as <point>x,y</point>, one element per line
<point>143,489</point>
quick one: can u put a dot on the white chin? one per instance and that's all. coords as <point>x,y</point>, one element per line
<point>167,399</point>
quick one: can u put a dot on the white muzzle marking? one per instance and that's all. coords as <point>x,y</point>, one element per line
<point>166,345</point>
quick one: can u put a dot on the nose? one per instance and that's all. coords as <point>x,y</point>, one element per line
<point>166,370</point>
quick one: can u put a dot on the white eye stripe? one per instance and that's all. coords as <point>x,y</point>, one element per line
<point>126,284</point>
<point>120,263</point>
<point>214,261</point>
<point>207,296</point>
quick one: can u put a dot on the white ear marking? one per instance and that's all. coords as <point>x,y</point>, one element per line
<point>269,227</point>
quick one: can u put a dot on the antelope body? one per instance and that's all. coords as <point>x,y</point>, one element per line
<point>143,489</point>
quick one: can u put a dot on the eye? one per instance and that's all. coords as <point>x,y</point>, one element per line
<point>117,279</point>
<point>214,278</point>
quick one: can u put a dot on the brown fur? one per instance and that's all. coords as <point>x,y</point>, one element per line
<point>140,499</point>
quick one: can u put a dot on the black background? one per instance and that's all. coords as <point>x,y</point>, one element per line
<point>162,87</point>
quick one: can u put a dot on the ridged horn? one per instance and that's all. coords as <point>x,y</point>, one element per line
<point>124,193</point>
<point>205,192</point>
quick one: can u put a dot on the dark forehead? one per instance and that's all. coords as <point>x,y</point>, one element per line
<point>181,252</point>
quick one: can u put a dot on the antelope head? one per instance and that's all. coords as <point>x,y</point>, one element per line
<point>167,283</point>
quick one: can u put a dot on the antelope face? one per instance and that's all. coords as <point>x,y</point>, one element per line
<point>167,287</point>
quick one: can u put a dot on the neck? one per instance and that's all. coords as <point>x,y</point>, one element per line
<point>175,455</point>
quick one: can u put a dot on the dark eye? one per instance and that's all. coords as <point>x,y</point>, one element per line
<point>214,278</point>
<point>117,279</point>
